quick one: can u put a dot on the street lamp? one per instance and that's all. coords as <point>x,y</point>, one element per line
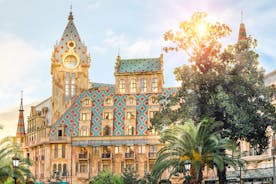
<point>187,165</point>
<point>15,163</point>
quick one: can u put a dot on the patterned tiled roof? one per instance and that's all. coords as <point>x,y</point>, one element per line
<point>70,119</point>
<point>70,33</point>
<point>139,65</point>
<point>21,126</point>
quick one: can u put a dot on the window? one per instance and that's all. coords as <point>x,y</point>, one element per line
<point>64,170</point>
<point>83,168</point>
<point>117,149</point>
<point>54,168</point>
<point>86,102</point>
<point>76,168</point>
<point>130,130</point>
<point>141,149</point>
<point>70,85</point>
<point>152,114</point>
<point>154,85</point>
<point>84,131</point>
<point>95,150</point>
<point>84,116</point>
<point>108,101</point>
<point>63,151</point>
<point>153,148</point>
<point>129,167</point>
<point>108,115</point>
<point>131,101</point>
<point>56,151</point>
<point>122,88</point>
<point>73,85</point>
<point>67,86</point>
<point>107,131</point>
<point>59,169</point>
<point>132,85</point>
<point>130,115</point>
<point>153,100</point>
<point>143,85</point>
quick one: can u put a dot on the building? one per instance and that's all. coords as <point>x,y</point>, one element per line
<point>86,127</point>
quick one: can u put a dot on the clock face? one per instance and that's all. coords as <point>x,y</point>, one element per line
<point>70,62</point>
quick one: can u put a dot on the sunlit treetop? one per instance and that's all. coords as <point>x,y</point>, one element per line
<point>198,37</point>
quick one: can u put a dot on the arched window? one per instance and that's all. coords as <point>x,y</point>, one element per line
<point>84,131</point>
<point>64,170</point>
<point>130,130</point>
<point>54,168</point>
<point>67,86</point>
<point>106,131</point>
<point>122,88</point>
<point>154,85</point>
<point>143,85</point>
<point>73,85</point>
<point>131,101</point>
<point>132,85</point>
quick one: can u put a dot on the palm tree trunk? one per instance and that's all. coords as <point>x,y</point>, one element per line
<point>222,176</point>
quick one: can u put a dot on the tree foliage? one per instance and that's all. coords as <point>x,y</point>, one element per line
<point>106,177</point>
<point>227,86</point>
<point>200,144</point>
<point>8,148</point>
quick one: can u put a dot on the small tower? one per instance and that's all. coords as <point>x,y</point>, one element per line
<point>69,68</point>
<point>242,31</point>
<point>20,133</point>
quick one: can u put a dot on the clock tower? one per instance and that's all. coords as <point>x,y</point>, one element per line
<point>69,69</point>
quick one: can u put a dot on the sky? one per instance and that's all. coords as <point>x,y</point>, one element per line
<point>134,28</point>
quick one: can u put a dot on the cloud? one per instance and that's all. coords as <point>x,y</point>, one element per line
<point>22,67</point>
<point>114,40</point>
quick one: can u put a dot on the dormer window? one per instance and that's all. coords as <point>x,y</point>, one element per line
<point>143,85</point>
<point>131,101</point>
<point>153,100</point>
<point>108,115</point>
<point>133,85</point>
<point>122,88</point>
<point>108,101</point>
<point>154,85</point>
<point>130,115</point>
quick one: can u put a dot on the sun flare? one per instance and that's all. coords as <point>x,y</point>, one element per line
<point>201,29</point>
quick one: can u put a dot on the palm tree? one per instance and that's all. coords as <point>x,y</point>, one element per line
<point>200,144</point>
<point>8,148</point>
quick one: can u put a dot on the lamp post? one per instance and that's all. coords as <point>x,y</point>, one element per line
<point>15,163</point>
<point>187,166</point>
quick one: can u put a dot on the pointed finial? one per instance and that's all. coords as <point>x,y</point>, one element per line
<point>241,16</point>
<point>21,101</point>
<point>119,51</point>
<point>70,17</point>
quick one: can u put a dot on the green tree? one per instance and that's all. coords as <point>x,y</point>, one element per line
<point>227,86</point>
<point>106,177</point>
<point>130,176</point>
<point>8,148</point>
<point>200,144</point>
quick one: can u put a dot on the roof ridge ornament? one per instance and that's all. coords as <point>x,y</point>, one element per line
<point>71,17</point>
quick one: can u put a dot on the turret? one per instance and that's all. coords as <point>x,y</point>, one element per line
<point>20,133</point>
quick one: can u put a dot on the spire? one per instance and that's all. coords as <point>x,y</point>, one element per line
<point>242,31</point>
<point>70,17</point>
<point>21,126</point>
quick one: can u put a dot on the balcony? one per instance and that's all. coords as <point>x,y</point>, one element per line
<point>83,156</point>
<point>129,155</point>
<point>106,156</point>
<point>152,155</point>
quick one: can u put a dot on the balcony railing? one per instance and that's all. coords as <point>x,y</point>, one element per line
<point>129,155</point>
<point>83,156</point>
<point>152,154</point>
<point>106,156</point>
